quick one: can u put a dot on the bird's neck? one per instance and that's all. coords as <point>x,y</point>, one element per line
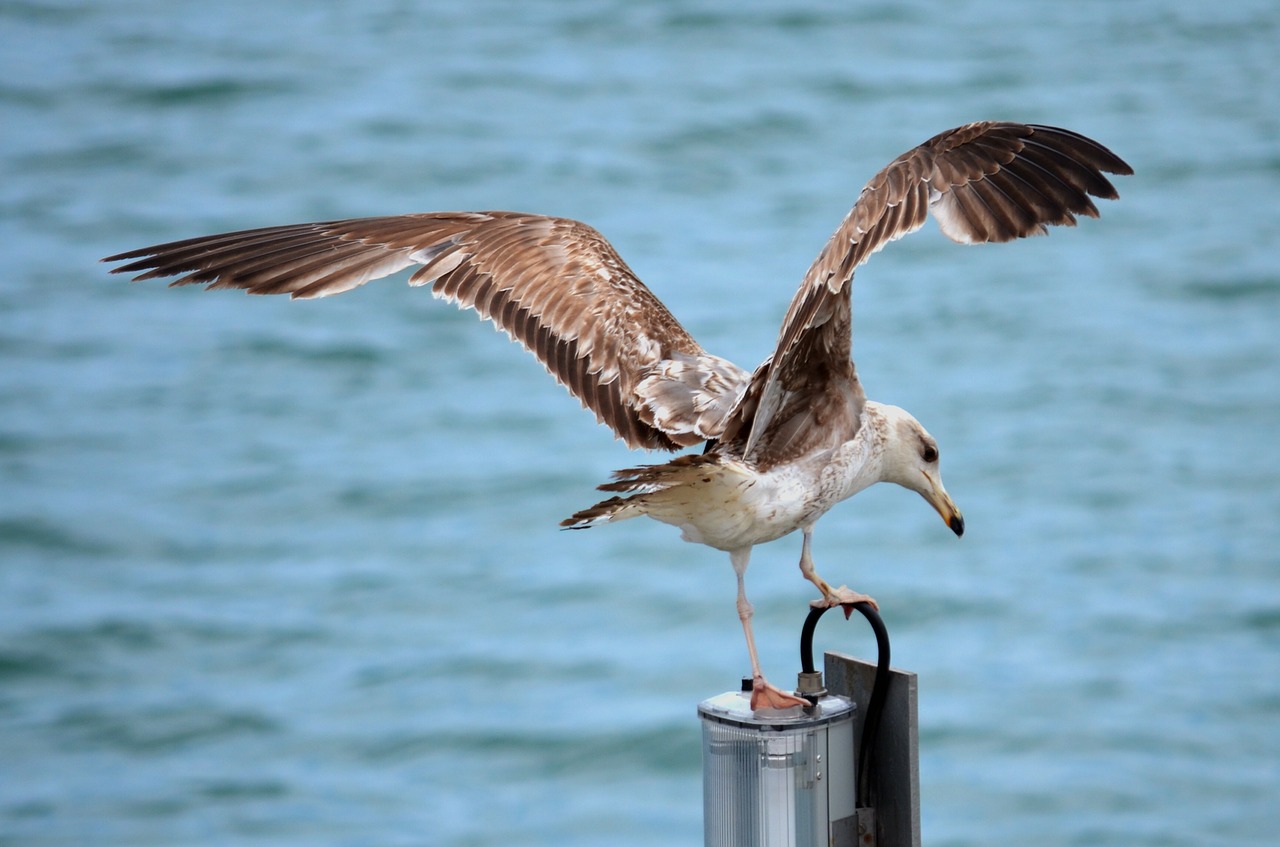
<point>860,460</point>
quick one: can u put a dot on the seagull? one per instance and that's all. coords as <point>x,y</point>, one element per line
<point>783,443</point>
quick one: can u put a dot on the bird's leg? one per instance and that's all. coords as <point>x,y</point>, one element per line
<point>763,693</point>
<point>842,596</point>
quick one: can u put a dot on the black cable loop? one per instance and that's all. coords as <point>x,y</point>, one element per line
<point>871,725</point>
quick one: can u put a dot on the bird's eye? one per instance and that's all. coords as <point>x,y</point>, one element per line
<point>930,454</point>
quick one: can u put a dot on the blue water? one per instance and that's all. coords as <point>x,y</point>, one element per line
<point>289,573</point>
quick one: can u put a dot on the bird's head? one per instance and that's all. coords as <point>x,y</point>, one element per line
<point>911,460</point>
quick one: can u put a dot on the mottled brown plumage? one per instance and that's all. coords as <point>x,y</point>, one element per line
<point>984,182</point>
<point>554,285</point>
<point>789,440</point>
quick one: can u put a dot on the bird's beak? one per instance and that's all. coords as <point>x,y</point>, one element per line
<point>940,500</point>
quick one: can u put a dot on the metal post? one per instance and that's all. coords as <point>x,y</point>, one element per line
<point>894,770</point>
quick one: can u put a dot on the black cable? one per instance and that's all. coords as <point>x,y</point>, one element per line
<point>871,725</point>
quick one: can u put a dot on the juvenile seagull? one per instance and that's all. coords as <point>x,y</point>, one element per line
<point>786,442</point>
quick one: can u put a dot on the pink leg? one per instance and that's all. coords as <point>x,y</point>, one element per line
<point>841,596</point>
<point>763,693</point>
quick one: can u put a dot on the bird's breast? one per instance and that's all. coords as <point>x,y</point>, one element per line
<point>736,506</point>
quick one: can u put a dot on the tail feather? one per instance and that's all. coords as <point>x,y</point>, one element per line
<point>601,513</point>
<point>638,484</point>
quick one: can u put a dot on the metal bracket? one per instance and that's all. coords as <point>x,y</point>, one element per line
<point>867,827</point>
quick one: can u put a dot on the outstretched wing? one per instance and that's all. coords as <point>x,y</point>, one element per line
<point>552,284</point>
<point>983,182</point>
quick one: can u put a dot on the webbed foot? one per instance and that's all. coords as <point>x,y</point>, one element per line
<point>765,695</point>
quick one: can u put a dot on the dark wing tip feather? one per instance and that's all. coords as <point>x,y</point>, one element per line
<point>1086,149</point>
<point>1001,181</point>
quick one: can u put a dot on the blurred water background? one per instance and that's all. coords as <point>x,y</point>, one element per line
<point>289,573</point>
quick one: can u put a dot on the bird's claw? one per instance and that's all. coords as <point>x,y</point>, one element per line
<point>844,597</point>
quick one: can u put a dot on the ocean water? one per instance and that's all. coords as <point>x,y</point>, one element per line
<point>289,573</point>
